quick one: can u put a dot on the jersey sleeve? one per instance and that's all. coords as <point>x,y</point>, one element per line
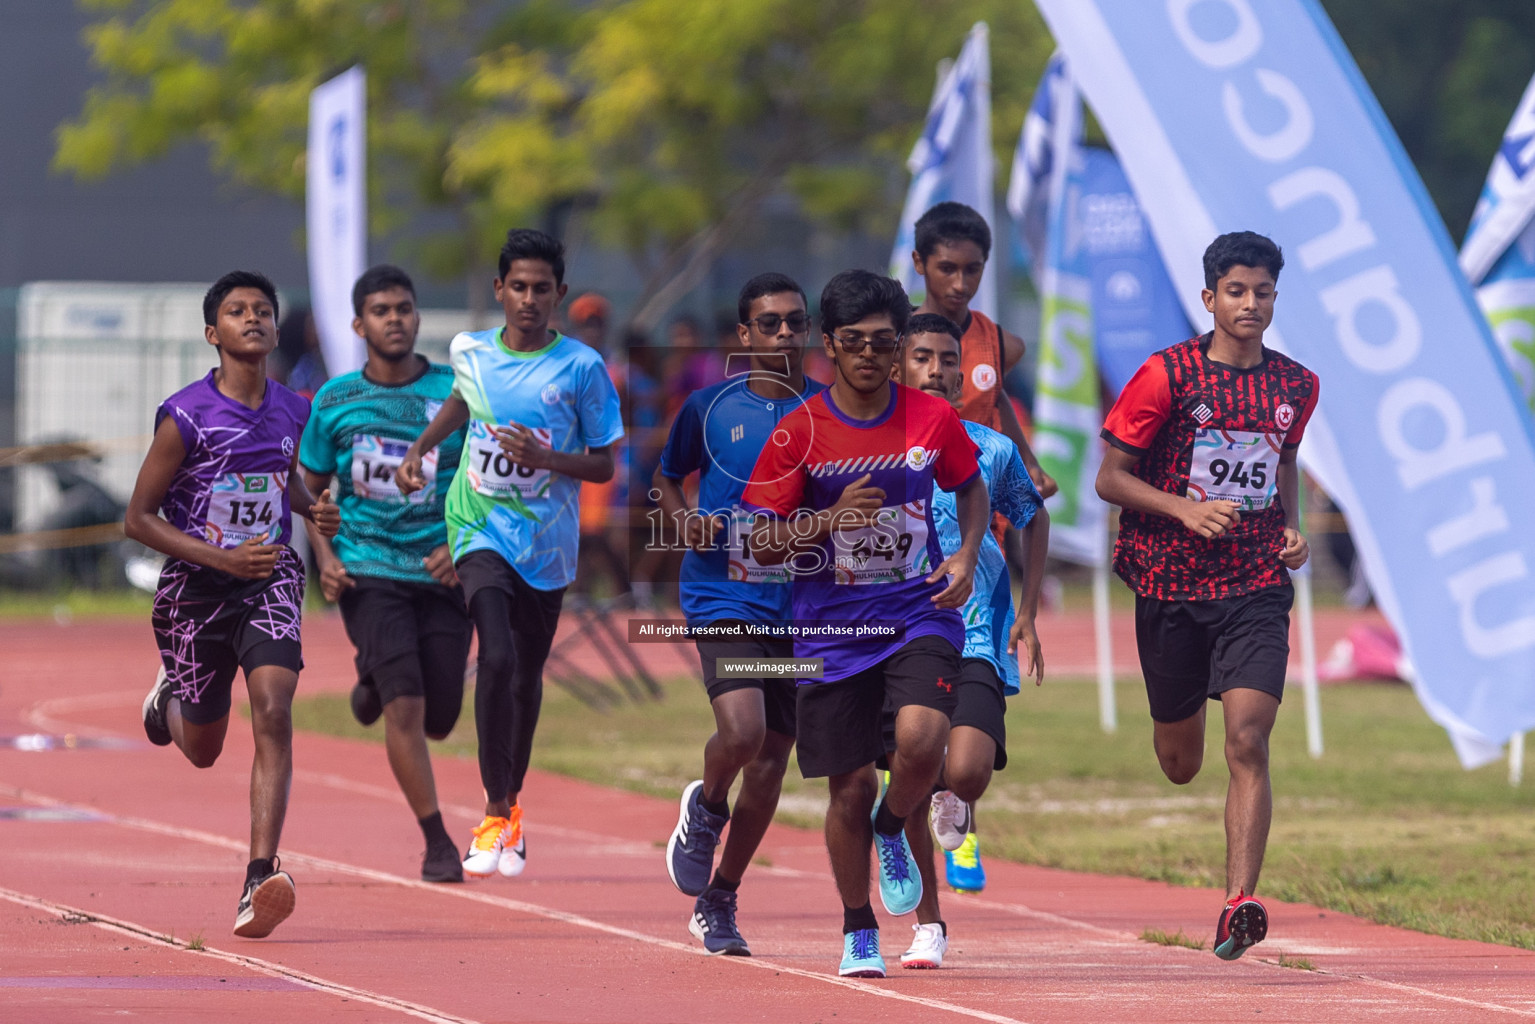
<point>777,484</point>
<point>956,463</point>
<point>1298,428</point>
<point>684,451</point>
<point>1012,492</point>
<point>317,448</point>
<point>1143,406</point>
<point>602,420</point>
<point>184,424</point>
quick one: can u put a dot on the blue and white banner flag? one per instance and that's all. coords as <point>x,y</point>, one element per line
<point>337,213</point>
<point>1420,436</point>
<point>1499,252</point>
<point>1028,187</point>
<point>952,161</point>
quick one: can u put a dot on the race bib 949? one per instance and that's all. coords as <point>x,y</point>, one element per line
<point>1234,465</point>
<point>892,550</point>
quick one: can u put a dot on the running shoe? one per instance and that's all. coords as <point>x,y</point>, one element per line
<point>962,867</point>
<point>440,863</point>
<point>159,696</point>
<point>860,955</point>
<point>690,851</point>
<point>714,924</point>
<point>265,904</point>
<point>927,948</point>
<point>950,818</point>
<point>485,850</point>
<point>365,703</point>
<point>514,846</point>
<point>900,886</point>
<point>1244,922</point>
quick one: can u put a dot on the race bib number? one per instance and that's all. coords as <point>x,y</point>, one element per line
<point>743,566</point>
<point>890,551</point>
<point>245,506</point>
<point>375,461</point>
<point>493,473</point>
<point>1234,465</point>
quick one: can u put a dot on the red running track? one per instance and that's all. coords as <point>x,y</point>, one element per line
<point>115,855</point>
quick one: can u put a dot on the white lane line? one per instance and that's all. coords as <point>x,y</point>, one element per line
<point>260,966</point>
<point>520,906</point>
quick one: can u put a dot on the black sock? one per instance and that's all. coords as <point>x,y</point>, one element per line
<point>432,828</point>
<point>721,808</point>
<point>257,869</point>
<point>885,821</point>
<point>719,881</point>
<point>856,919</point>
<point>943,928</point>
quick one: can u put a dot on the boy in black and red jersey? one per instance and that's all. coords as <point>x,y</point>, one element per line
<point>1201,458</point>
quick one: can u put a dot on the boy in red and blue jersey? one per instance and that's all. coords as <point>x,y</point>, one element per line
<point>844,490</point>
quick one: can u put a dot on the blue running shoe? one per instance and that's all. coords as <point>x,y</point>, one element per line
<point>962,867</point>
<point>860,955</point>
<point>714,924</point>
<point>900,886</point>
<point>690,851</point>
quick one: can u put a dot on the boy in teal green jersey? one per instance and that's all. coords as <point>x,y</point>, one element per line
<point>543,416</point>
<point>389,567</point>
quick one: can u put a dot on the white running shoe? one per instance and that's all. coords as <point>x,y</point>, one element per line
<point>927,948</point>
<point>484,854</point>
<point>950,818</point>
<point>514,846</point>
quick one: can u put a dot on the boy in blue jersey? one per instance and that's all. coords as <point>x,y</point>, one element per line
<point>844,491</point>
<point>222,470</point>
<point>719,433</point>
<point>977,736</point>
<point>543,416</point>
<point>390,569</point>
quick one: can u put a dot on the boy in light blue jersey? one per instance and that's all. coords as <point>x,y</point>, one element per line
<point>932,362</point>
<point>543,416</point>
<point>389,568</point>
<point>719,433</point>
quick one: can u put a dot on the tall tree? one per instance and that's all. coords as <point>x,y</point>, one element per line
<point>667,128</point>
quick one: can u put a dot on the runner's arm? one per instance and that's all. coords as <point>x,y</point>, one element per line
<point>1013,431</point>
<point>1012,349</point>
<point>1287,480</point>
<point>1036,546</point>
<point>142,522</point>
<point>595,465</point>
<point>775,541</point>
<point>1118,486</point>
<point>973,504</point>
<point>333,575</point>
<point>696,529</point>
<point>320,512</point>
<point>453,414</point>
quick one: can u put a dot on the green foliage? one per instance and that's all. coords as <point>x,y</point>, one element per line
<point>1158,937</point>
<point>669,127</point>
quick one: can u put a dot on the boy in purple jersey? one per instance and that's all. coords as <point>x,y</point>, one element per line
<point>223,470</point>
<point>844,488</point>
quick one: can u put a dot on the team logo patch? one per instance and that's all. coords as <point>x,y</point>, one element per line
<point>917,457</point>
<point>550,394</point>
<point>737,432</point>
<point>1202,413</point>
<point>1284,416</point>
<point>287,446</point>
<point>984,376</point>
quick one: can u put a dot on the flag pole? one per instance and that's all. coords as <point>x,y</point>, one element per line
<point>1104,640</point>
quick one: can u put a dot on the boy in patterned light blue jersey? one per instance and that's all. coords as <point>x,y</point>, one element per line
<point>543,416</point>
<point>932,362</point>
<point>389,568</point>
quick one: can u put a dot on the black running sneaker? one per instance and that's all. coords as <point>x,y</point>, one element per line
<point>159,696</point>
<point>365,703</point>
<point>1243,923</point>
<point>714,924</point>
<point>441,863</point>
<point>265,904</point>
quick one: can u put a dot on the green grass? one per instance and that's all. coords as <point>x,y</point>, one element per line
<point>1177,938</point>
<point>1298,963</point>
<point>67,605</point>
<point>1386,825</point>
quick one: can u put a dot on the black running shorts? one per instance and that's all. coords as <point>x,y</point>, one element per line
<point>978,703</point>
<point>390,620</point>
<point>841,723</point>
<point>1193,651</point>
<point>779,695</point>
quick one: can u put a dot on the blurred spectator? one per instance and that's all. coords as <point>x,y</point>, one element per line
<point>298,361</point>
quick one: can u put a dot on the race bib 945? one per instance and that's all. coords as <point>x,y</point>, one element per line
<point>1234,465</point>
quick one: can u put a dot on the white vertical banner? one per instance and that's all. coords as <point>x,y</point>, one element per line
<point>337,213</point>
<point>952,161</point>
<point>1423,441</point>
<point>1498,255</point>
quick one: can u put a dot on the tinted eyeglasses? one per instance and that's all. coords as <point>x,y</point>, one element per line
<point>768,323</point>
<point>882,343</point>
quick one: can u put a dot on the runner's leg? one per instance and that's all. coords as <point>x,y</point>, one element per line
<point>1249,798</point>
<point>271,690</point>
